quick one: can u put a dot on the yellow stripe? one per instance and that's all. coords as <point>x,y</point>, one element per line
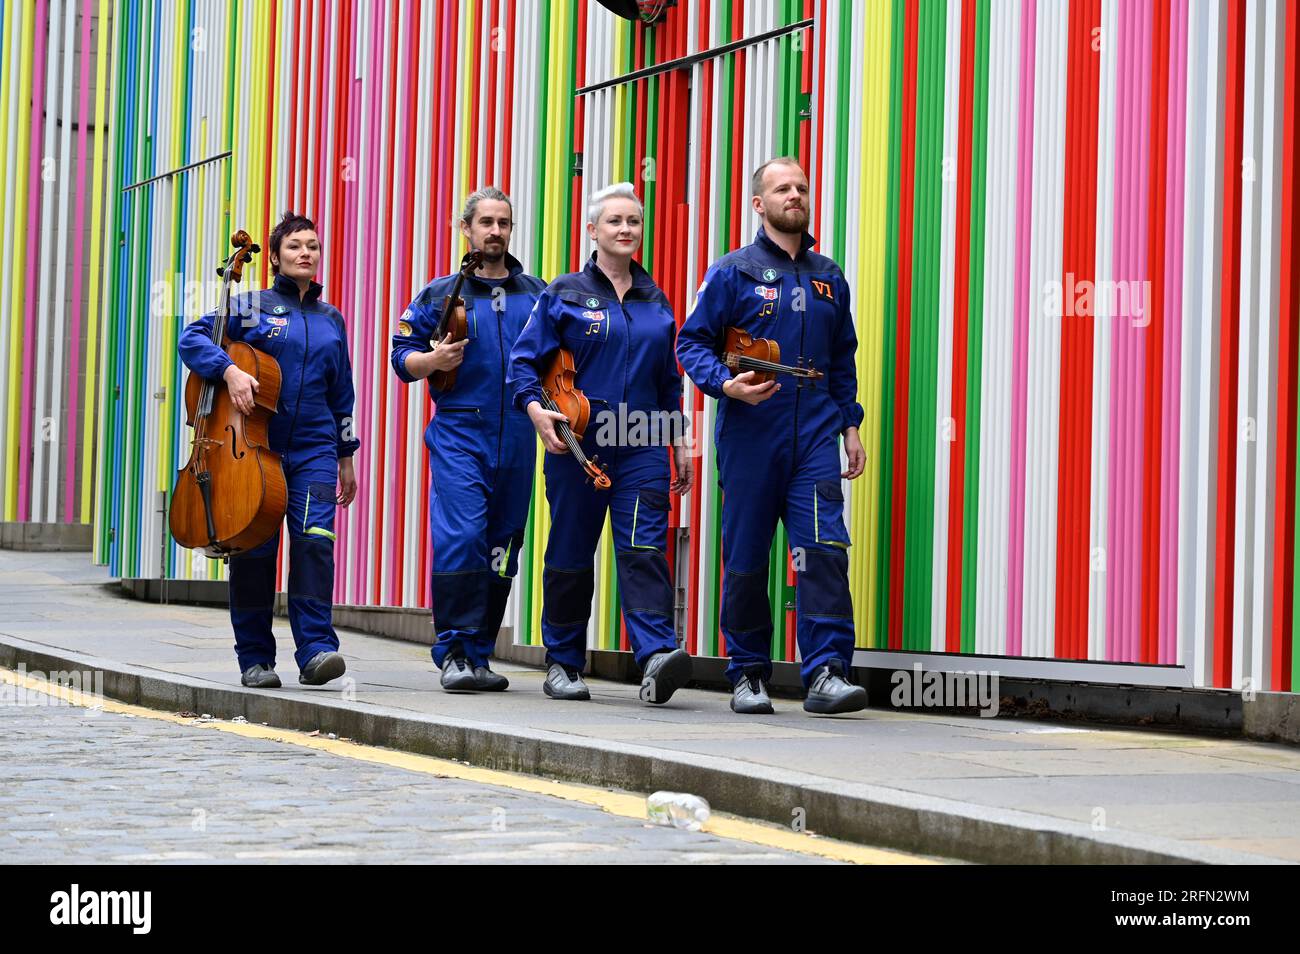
<point>21,191</point>
<point>92,301</point>
<point>623,804</point>
<point>873,173</point>
<point>12,17</point>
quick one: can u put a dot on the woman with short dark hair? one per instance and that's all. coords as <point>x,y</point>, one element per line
<point>312,432</point>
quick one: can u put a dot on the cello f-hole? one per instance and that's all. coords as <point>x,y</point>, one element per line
<point>235,452</point>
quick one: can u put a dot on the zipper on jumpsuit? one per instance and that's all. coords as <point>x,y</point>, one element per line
<point>501,408</point>
<point>302,376</point>
<point>794,462</point>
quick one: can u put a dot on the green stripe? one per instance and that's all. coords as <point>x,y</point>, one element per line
<point>923,380</point>
<point>884,530</point>
<point>975,333</point>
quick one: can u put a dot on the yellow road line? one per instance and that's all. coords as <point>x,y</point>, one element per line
<point>616,803</point>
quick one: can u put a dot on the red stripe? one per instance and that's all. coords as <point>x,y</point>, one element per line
<point>400,424</point>
<point>474,49</point>
<point>295,108</point>
<point>738,143</point>
<point>904,344</point>
<point>820,153</point>
<point>1078,270</point>
<point>960,329</point>
<point>1148,621</point>
<point>386,236</point>
<point>1289,260</point>
<point>508,45</point>
<point>494,45</point>
<point>1229,346</point>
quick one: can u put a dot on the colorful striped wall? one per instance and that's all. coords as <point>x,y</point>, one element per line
<point>53,118</point>
<point>1070,231</point>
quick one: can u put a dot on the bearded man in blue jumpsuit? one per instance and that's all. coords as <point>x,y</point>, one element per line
<point>313,434</point>
<point>481,448</point>
<point>779,443</point>
<point>619,327</point>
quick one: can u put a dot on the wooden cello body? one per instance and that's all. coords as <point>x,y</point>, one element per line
<point>231,495</point>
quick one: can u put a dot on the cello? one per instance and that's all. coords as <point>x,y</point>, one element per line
<point>743,352</point>
<point>560,394</point>
<point>453,318</point>
<point>231,495</point>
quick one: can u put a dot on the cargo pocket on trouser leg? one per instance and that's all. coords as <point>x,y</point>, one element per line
<point>318,511</point>
<point>828,515</point>
<point>649,523</point>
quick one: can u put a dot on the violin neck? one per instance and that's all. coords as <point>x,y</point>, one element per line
<point>745,363</point>
<point>566,433</point>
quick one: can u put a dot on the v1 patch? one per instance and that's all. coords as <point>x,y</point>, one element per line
<point>823,290</point>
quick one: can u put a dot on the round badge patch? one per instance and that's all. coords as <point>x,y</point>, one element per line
<point>279,310</point>
<point>593,302</point>
<point>769,275</point>
<point>404,329</point>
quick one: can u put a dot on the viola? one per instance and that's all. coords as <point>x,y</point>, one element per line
<point>231,494</point>
<point>453,317</point>
<point>560,394</point>
<point>743,352</point>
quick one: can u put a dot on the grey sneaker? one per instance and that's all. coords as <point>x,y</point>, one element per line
<point>458,674</point>
<point>485,680</point>
<point>665,673</point>
<point>749,696</point>
<point>565,684</point>
<point>322,667</point>
<point>829,692</point>
<point>260,676</point>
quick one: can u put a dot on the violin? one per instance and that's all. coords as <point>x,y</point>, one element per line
<point>231,495</point>
<point>743,352</point>
<point>559,394</point>
<point>453,317</point>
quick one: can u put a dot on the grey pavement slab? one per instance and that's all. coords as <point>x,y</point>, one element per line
<point>1169,794</point>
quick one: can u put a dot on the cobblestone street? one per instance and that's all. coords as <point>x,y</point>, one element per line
<point>82,786</point>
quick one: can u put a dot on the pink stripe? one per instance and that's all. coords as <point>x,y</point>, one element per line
<point>35,190</point>
<point>365,344</point>
<point>1129,344</point>
<point>78,246</point>
<point>1119,340</point>
<point>398,292</point>
<point>348,254</point>
<point>1173,336</point>
<point>1020,346</point>
<point>1140,273</point>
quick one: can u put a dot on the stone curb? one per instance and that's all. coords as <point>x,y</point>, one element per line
<point>868,814</point>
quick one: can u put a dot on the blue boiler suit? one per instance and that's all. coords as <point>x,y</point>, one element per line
<point>481,455</point>
<point>623,353</point>
<point>780,459</point>
<point>311,431</point>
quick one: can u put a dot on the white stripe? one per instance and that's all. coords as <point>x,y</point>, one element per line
<point>944,380</point>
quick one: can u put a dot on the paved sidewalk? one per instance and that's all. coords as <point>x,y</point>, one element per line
<point>987,789</point>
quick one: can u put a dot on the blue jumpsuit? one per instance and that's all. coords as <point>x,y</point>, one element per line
<point>311,430</point>
<point>481,455</point>
<point>623,353</point>
<point>780,459</point>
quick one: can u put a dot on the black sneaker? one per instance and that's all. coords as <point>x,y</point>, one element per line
<point>829,692</point>
<point>665,673</point>
<point>458,674</point>
<point>485,680</point>
<point>323,667</point>
<point>260,676</point>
